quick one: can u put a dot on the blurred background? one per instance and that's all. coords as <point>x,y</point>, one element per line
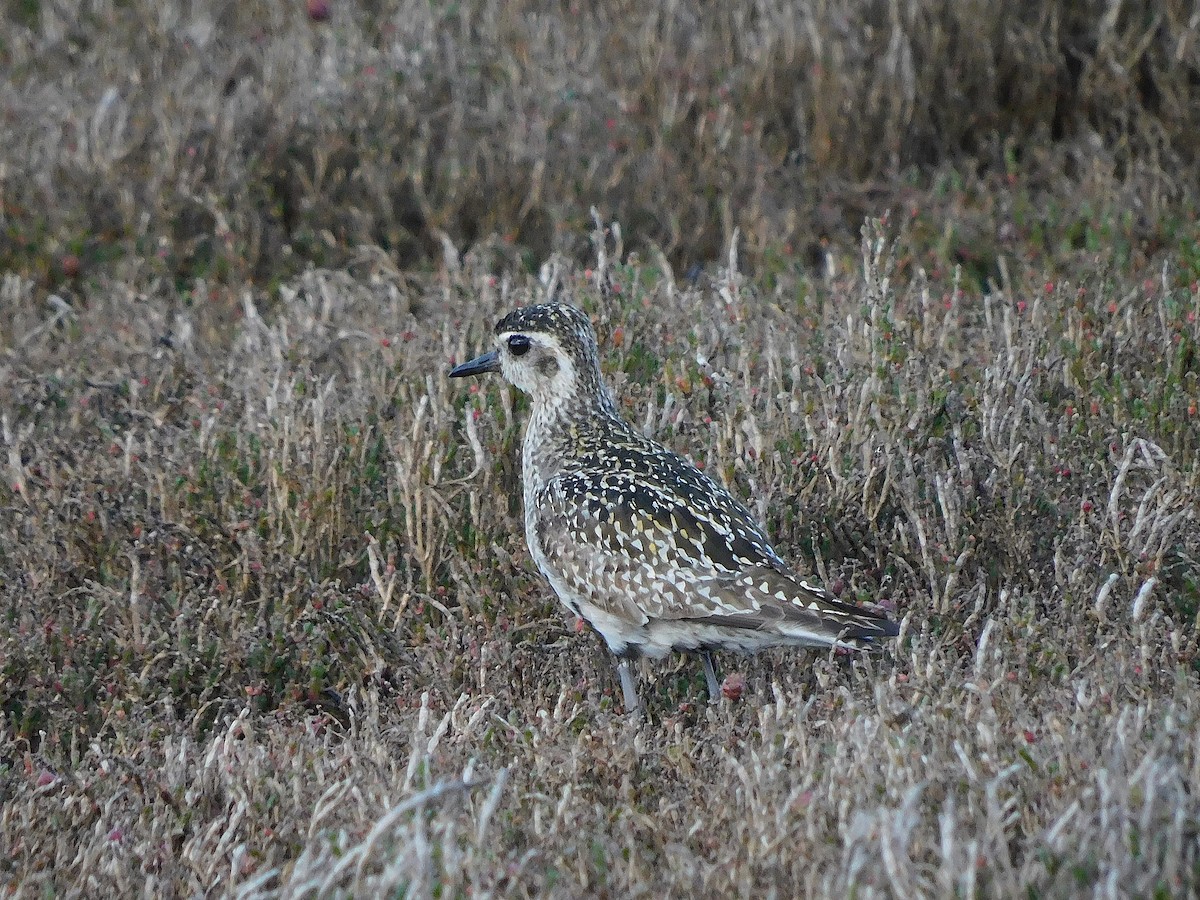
<point>246,140</point>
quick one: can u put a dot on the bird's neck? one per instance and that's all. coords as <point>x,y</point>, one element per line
<point>559,430</point>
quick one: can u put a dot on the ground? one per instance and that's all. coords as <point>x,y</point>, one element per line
<point>268,626</point>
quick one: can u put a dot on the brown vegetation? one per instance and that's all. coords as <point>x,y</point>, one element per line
<point>267,623</point>
<point>247,139</point>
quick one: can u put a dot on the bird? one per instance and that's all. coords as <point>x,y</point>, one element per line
<point>651,552</point>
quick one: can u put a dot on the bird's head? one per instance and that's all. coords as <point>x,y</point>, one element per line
<point>548,351</point>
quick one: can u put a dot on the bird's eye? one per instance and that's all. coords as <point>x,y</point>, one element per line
<point>518,345</point>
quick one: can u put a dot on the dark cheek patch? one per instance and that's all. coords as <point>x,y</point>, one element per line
<point>547,366</point>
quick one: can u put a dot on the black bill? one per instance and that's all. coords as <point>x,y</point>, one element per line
<point>489,362</point>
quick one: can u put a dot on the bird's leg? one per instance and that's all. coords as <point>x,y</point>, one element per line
<point>629,687</point>
<point>710,675</point>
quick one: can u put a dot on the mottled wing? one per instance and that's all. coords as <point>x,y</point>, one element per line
<point>672,545</point>
<point>786,603</point>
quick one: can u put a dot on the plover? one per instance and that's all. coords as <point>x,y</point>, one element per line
<point>651,552</point>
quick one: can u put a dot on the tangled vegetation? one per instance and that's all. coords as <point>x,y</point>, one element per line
<point>267,622</point>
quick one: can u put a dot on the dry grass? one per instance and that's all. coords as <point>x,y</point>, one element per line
<point>244,140</point>
<point>267,623</point>
<point>269,626</point>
